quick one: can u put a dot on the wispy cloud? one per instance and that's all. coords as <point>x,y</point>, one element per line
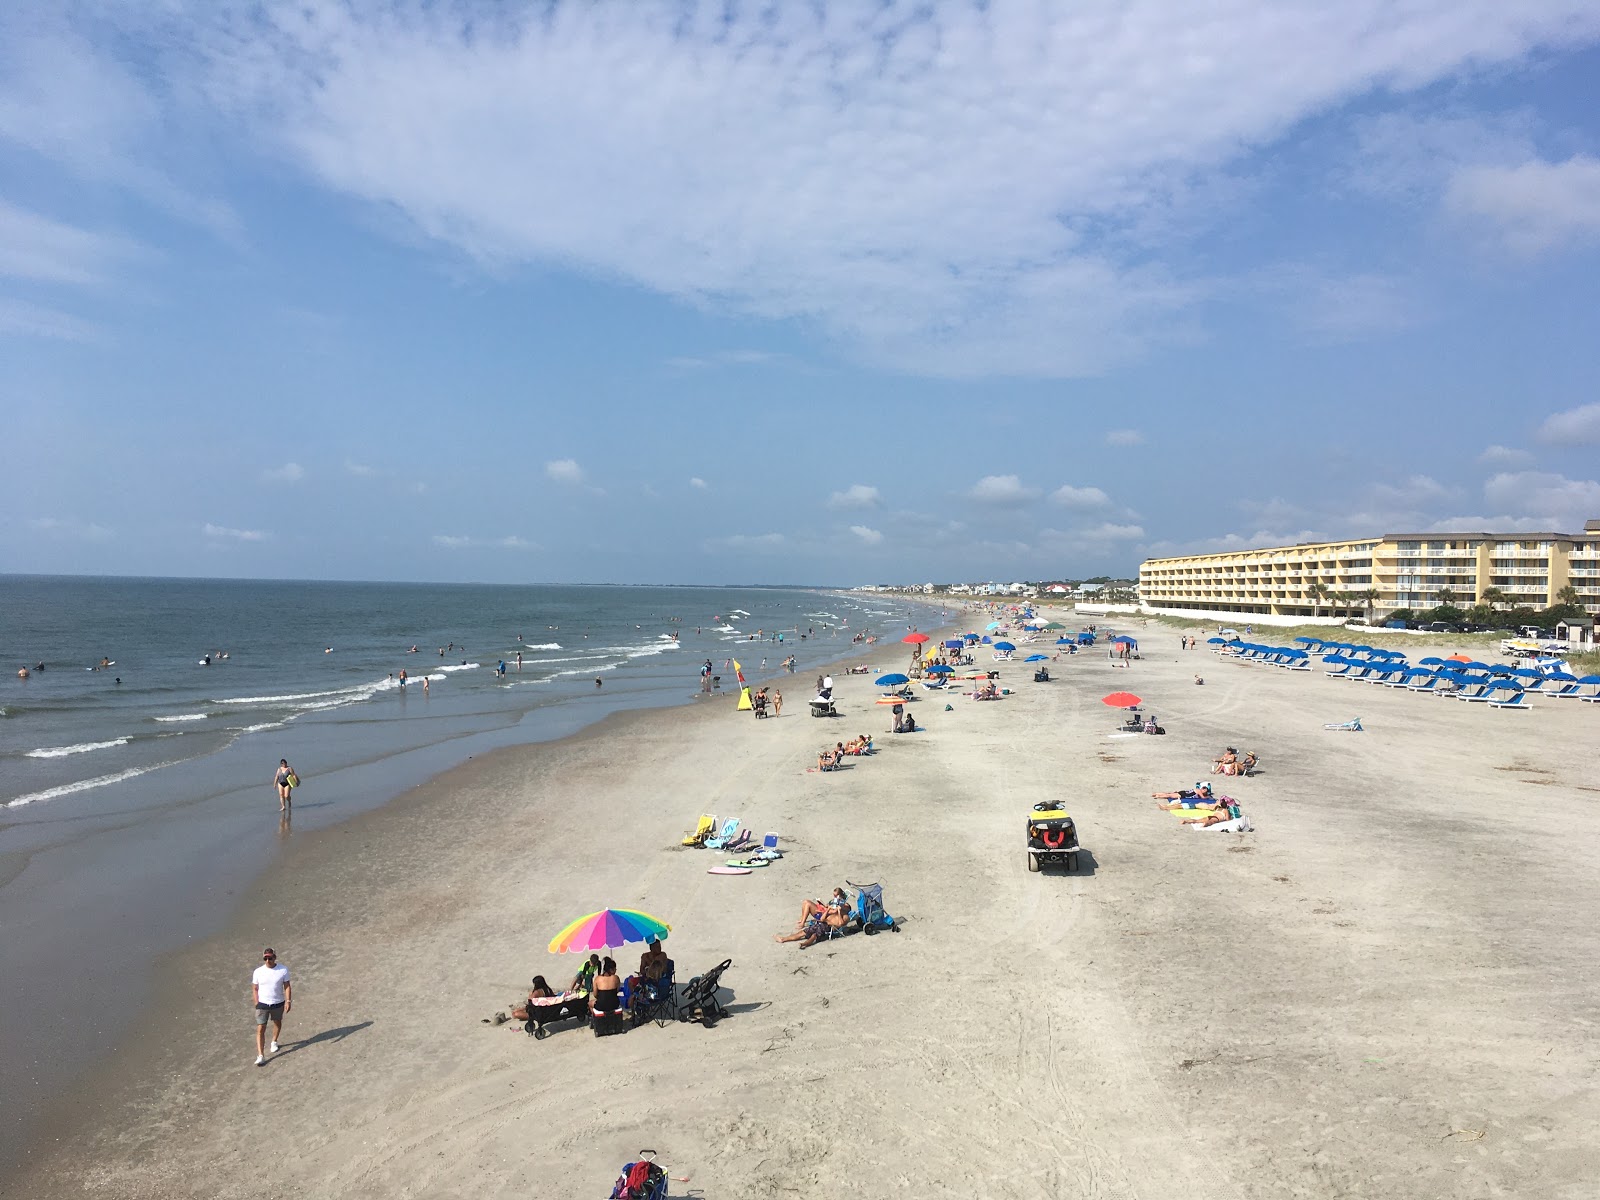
<point>762,160</point>
<point>43,250</point>
<point>728,358</point>
<point>39,320</point>
<point>288,473</point>
<point>857,495</point>
<point>456,542</point>
<point>1574,427</point>
<point>359,470</point>
<point>698,484</point>
<point>73,528</point>
<point>1535,206</point>
<point>1505,456</point>
<point>870,536</point>
<point>225,533</point>
<point>1124,437</point>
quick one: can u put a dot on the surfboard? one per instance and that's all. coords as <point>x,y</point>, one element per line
<point>730,871</point>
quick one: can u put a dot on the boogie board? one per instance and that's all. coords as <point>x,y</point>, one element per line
<point>730,871</point>
<point>747,862</point>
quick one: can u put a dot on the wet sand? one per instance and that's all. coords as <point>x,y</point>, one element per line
<point>1385,990</point>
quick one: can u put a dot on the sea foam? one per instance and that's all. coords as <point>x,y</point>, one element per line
<point>80,748</point>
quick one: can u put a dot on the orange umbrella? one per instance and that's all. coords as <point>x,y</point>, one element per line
<point>1458,658</point>
<point>1121,700</point>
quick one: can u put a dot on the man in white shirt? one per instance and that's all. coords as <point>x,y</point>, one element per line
<point>269,988</point>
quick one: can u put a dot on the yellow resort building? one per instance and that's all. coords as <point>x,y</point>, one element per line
<point>1397,570</point>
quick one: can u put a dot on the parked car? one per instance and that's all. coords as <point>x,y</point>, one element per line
<point>1439,627</point>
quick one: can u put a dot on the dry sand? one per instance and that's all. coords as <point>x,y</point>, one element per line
<point>1385,991</point>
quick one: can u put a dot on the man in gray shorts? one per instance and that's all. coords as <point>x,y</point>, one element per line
<point>269,988</point>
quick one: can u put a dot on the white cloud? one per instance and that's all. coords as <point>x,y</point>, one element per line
<point>288,473</point>
<point>1505,456</point>
<point>565,470</point>
<point>870,536</point>
<point>455,542</point>
<point>1075,497</point>
<point>1109,531</point>
<point>698,484</point>
<point>1418,490</point>
<point>728,358</point>
<point>1567,503</point>
<point>1124,437</point>
<point>1576,426</point>
<point>72,527</point>
<point>37,320</point>
<point>1002,491</point>
<point>360,470</point>
<point>1536,205</point>
<point>857,495</point>
<point>41,250</point>
<point>947,188</point>
<point>223,532</point>
<point>766,542</point>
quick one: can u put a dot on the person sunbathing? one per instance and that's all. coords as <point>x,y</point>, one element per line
<point>834,917</point>
<point>827,760</point>
<point>1200,797</point>
<point>1228,764</point>
<point>1220,814</point>
<point>817,908</point>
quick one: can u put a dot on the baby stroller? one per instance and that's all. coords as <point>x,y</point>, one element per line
<point>643,1179</point>
<point>868,909</point>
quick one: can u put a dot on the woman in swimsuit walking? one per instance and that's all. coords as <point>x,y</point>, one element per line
<point>285,778</point>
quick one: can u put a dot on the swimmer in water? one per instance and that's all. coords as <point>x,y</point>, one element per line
<point>598,682</point>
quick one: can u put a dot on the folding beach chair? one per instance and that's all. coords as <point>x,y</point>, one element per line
<point>706,827</point>
<point>657,999</point>
<point>730,827</point>
<point>1351,726</point>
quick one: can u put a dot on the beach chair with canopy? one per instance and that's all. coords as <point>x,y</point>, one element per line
<point>1509,695</point>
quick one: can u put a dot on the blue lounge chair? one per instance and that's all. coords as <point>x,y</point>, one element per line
<point>730,830</point>
<point>1512,697</point>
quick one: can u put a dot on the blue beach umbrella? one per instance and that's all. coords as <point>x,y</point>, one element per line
<point>1431,662</point>
<point>1216,641</point>
<point>992,625</point>
<point>1004,646</point>
<point>892,680</point>
<point>954,644</point>
<point>1065,642</point>
<point>1036,658</point>
<point>1308,640</point>
<point>941,669</point>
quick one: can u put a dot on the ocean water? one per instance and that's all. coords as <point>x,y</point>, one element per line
<point>285,655</point>
<point>136,800</point>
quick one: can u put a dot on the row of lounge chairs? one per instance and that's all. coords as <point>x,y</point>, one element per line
<point>1497,691</point>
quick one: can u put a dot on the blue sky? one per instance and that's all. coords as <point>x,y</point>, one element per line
<point>726,293</point>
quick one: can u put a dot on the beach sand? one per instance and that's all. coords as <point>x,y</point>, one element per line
<point>1384,991</point>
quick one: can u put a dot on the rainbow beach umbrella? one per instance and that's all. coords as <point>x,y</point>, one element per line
<point>608,929</point>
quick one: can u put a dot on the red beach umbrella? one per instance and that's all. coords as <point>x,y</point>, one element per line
<point>1121,700</point>
<point>916,639</point>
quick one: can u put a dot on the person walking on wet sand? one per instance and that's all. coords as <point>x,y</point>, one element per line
<point>286,781</point>
<point>270,990</point>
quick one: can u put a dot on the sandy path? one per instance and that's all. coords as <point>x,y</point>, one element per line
<point>1402,951</point>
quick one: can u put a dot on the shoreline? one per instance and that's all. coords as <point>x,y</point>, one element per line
<point>1383,962</point>
<point>42,1122</point>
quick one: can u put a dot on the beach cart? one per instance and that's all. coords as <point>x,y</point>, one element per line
<point>1052,837</point>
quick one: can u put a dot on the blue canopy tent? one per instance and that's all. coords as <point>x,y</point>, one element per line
<point>954,644</point>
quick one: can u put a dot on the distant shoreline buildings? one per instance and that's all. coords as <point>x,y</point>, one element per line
<point>1379,574</point>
